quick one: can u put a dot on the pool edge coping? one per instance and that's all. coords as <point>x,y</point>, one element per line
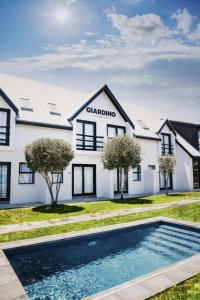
<point>142,287</point>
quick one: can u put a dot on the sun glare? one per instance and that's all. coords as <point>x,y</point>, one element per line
<point>60,16</point>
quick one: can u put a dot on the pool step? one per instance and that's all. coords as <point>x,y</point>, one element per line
<point>180,230</point>
<point>164,251</point>
<point>177,240</point>
<point>179,235</point>
<point>172,245</point>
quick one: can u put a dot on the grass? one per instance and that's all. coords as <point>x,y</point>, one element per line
<point>47,212</point>
<point>187,212</point>
<point>186,290</point>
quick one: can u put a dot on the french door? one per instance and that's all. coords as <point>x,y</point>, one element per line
<point>117,182</point>
<point>169,182</point>
<point>5,181</point>
<point>83,180</point>
<point>196,173</point>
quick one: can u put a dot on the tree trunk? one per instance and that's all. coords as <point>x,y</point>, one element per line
<point>121,182</point>
<point>58,188</point>
<point>50,187</point>
<point>166,186</point>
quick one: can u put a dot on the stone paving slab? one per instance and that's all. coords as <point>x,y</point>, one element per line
<point>89,217</point>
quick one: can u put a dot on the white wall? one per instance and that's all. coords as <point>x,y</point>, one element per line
<point>149,178</point>
<point>183,171</point>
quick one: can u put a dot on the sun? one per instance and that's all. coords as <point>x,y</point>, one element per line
<point>60,16</point>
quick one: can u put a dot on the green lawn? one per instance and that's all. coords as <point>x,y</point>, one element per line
<point>186,290</point>
<point>39,213</point>
<point>187,212</point>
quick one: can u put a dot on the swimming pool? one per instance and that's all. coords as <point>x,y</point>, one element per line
<point>82,266</point>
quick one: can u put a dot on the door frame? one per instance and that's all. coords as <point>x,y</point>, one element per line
<point>8,164</point>
<point>94,180</point>
<point>118,187</point>
<point>198,162</point>
<point>171,182</point>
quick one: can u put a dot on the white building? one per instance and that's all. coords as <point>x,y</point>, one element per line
<point>30,110</point>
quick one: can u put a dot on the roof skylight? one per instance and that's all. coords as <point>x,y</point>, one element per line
<point>26,104</point>
<point>53,109</point>
<point>143,125</point>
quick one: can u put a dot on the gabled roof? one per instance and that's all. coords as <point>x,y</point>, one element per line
<point>168,123</point>
<point>187,147</point>
<point>69,102</point>
<point>8,101</point>
<point>112,98</point>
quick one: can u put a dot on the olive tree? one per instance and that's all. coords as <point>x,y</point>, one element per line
<point>166,165</point>
<point>47,156</point>
<point>122,152</point>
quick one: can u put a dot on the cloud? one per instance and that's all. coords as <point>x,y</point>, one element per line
<point>140,29</point>
<point>184,20</point>
<point>195,35</point>
<point>132,80</point>
<point>139,41</point>
<point>90,33</point>
<point>132,2</point>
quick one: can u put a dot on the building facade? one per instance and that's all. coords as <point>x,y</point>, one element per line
<point>31,110</point>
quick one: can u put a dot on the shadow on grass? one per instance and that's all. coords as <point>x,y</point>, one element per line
<point>132,201</point>
<point>58,209</point>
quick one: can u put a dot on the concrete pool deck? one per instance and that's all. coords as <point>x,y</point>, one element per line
<point>141,288</point>
<point>90,217</point>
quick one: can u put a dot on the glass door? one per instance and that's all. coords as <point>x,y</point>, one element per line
<point>196,174</point>
<point>83,180</point>
<point>116,181</point>
<point>4,181</point>
<point>169,182</point>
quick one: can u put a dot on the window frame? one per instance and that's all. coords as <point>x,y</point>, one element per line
<point>198,136</point>
<point>83,137</point>
<point>116,127</point>
<point>137,173</point>
<point>32,172</point>
<point>163,144</point>
<point>7,133</point>
<point>54,173</point>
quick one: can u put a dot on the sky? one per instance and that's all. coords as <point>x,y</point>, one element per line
<point>147,51</point>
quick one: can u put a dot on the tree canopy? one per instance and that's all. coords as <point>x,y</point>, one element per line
<point>122,152</point>
<point>47,156</point>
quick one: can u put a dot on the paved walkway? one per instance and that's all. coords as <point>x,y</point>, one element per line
<point>89,217</point>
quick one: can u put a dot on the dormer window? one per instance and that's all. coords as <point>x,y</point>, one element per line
<point>53,109</point>
<point>4,127</point>
<point>166,145</point>
<point>26,104</point>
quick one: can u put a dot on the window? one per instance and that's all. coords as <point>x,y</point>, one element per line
<point>25,104</point>
<point>56,176</point>
<point>199,138</point>
<point>4,127</point>
<point>151,167</point>
<point>137,173</point>
<point>53,109</point>
<point>113,131</point>
<point>26,176</point>
<point>86,138</point>
<point>166,146</point>
<point>196,173</point>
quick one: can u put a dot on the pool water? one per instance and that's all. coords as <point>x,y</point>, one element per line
<point>79,267</point>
